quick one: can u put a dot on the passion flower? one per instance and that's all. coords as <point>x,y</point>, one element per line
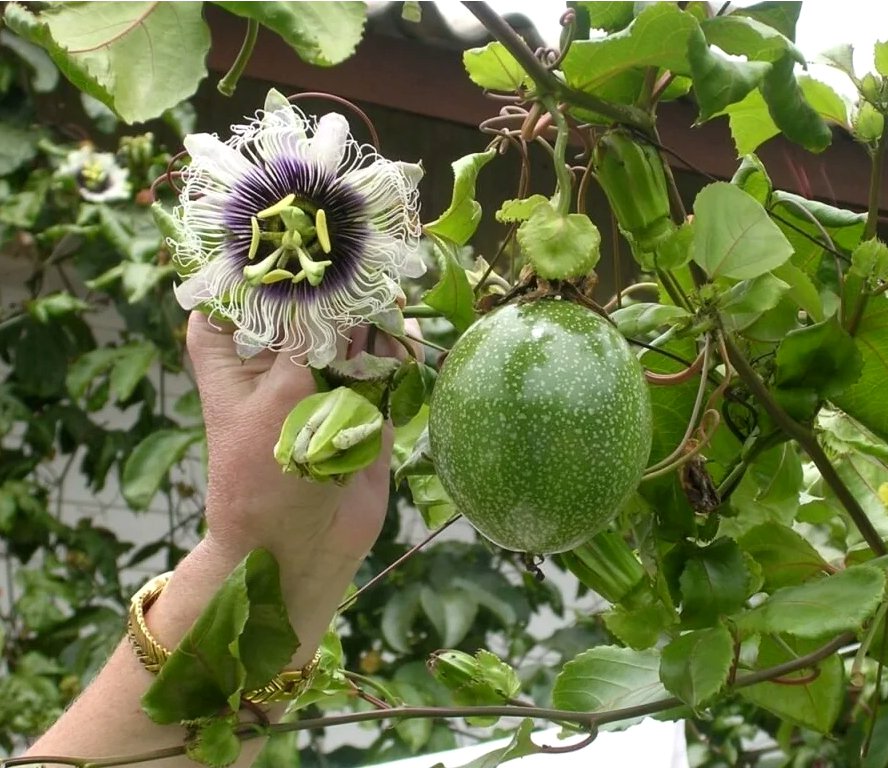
<point>293,231</point>
<point>540,425</point>
<point>98,177</point>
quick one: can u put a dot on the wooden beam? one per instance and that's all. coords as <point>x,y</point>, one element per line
<point>422,78</point>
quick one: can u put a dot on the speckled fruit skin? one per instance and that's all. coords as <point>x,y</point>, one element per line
<point>540,425</point>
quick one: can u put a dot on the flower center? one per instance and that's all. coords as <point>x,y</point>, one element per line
<point>297,233</point>
<point>92,176</point>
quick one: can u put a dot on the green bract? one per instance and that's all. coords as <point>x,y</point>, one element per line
<point>540,425</point>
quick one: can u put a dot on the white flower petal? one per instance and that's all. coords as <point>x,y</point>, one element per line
<point>328,144</point>
<point>413,172</point>
<point>194,291</point>
<point>221,161</point>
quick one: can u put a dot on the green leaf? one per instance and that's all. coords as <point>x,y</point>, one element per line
<point>801,289</point>
<point>492,67</point>
<point>131,365</point>
<point>718,80</point>
<point>868,123</point>
<point>824,100</point>
<point>676,249</point>
<point>452,295</point>
<point>518,210</point>
<point>214,743</point>
<point>520,746</point>
<point>411,453</point>
<point>751,123</point>
<point>398,616</point>
<point>151,460</point>
<point>781,15</point>
<point>785,557</point>
<point>745,301</point>
<point>240,641</point>
<point>41,360</point>
<point>821,357</point>
<point>44,309</point>
<point>791,112</point>
<point>641,625</point>
<point>451,611</point>
<point>815,704</point>
<point>322,34</point>
<point>840,56</point>
<point>870,260</point>
<point>826,606</point>
<point>715,581</point>
<point>139,58</point>
<point>432,501</point>
<point>752,177</point>
<point>746,36</point>
<point>559,245</point>
<point>733,235</point>
<point>459,222</point>
<point>86,368</point>
<point>695,666</point>
<point>608,677</point>
<point>408,391</point>
<point>881,57</point>
<point>657,37</point>
<point>45,74</point>
<point>17,147</point>
<point>609,16</point>
<point>642,318</point>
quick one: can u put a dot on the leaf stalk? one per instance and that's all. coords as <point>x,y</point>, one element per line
<point>228,83</point>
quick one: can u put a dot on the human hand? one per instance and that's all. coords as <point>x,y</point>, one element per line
<point>250,501</point>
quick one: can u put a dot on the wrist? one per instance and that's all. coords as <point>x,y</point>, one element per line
<point>313,583</point>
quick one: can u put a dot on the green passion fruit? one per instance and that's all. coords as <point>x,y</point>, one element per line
<point>540,425</point>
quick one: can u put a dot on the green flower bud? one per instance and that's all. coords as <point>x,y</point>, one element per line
<point>606,565</point>
<point>330,435</point>
<point>632,176</point>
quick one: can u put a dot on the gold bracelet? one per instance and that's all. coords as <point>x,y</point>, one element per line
<point>285,686</point>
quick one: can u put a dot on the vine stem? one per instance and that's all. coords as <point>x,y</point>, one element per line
<point>420,310</point>
<point>872,218</point>
<point>401,560</point>
<point>807,440</point>
<point>588,719</point>
<point>547,82</point>
<point>228,83</point>
<point>424,342</point>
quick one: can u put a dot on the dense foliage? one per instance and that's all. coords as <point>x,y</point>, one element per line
<point>745,579</point>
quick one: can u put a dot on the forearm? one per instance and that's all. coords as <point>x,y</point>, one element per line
<point>107,720</point>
